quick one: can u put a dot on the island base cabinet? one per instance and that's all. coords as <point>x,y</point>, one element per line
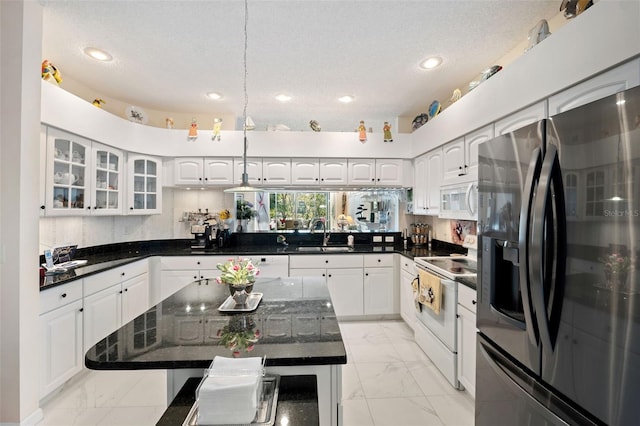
<point>61,346</point>
<point>103,313</point>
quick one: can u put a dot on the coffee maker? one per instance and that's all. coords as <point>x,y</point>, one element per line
<point>203,236</point>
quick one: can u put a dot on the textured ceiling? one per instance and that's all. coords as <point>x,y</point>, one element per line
<point>168,54</point>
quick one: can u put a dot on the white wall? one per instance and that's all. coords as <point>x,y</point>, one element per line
<point>92,231</point>
<point>20,59</point>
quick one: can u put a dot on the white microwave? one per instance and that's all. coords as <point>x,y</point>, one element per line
<point>459,201</point>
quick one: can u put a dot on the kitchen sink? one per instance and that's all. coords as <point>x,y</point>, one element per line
<point>324,249</point>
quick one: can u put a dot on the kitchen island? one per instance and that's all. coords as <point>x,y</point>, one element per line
<point>294,323</point>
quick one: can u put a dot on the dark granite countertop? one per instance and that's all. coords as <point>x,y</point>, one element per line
<point>295,324</point>
<point>102,258</point>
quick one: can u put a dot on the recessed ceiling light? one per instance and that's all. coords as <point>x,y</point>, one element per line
<point>283,98</point>
<point>346,99</point>
<point>214,95</point>
<point>98,54</point>
<point>431,62</point>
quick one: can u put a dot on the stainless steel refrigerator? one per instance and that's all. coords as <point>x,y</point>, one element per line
<point>559,294</point>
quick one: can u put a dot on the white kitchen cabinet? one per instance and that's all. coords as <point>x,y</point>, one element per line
<point>61,324</point>
<point>346,290</point>
<point>144,184</point>
<point>254,170</point>
<point>460,157</point>
<point>276,171</point>
<point>313,171</point>
<point>305,171</point>
<point>362,171</point>
<point>198,171</point>
<point>454,165</point>
<point>420,185</point>
<point>467,338</point>
<point>334,172</point>
<point>344,276</point>
<point>613,81</point>
<point>176,272</point>
<point>383,172</point>
<point>82,177</point>
<point>379,285</point>
<point>434,179</point>
<point>407,302</point>
<point>471,143</point>
<point>531,114</point>
<point>113,298</point>
<point>272,266</point>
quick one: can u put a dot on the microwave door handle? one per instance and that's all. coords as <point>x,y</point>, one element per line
<point>467,198</point>
<point>533,173</point>
<point>543,269</point>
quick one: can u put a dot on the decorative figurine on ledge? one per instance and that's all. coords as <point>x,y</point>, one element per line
<point>386,129</point>
<point>98,102</point>
<point>49,70</point>
<point>362,131</point>
<point>168,122</point>
<point>193,130</point>
<point>217,125</point>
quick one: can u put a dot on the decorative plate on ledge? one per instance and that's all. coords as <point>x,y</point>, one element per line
<point>136,114</point>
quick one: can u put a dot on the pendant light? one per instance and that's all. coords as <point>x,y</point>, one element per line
<point>244,186</point>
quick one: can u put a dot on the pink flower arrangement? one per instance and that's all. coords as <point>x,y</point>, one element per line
<point>616,263</point>
<point>240,271</point>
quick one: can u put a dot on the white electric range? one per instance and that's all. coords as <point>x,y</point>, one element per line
<point>437,334</point>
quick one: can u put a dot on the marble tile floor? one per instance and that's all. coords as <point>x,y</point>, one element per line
<point>388,380</point>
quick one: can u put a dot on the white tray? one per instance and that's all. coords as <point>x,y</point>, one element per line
<point>266,413</point>
<point>230,305</point>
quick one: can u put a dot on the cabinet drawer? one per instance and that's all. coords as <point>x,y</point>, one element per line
<point>326,261</point>
<point>173,263</point>
<point>467,297</point>
<point>408,265</point>
<point>378,260</point>
<point>106,279</point>
<point>56,297</point>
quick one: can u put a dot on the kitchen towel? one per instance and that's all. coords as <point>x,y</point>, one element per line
<point>430,291</point>
<point>230,392</point>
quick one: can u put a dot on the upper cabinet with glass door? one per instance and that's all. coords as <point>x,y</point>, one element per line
<point>82,177</point>
<point>144,189</point>
<point>107,182</point>
<point>67,181</point>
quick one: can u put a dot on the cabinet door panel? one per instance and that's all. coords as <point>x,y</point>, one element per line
<point>102,315</point>
<point>188,171</point>
<point>305,172</point>
<point>334,172</point>
<point>61,346</point>
<point>467,349</point>
<point>276,171</point>
<point>389,172</point>
<point>135,299</point>
<point>378,291</point>
<point>362,172</point>
<point>345,287</point>
<point>453,161</point>
<point>218,171</point>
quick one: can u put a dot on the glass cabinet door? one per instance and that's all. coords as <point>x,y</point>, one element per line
<point>66,183</point>
<point>107,180</point>
<point>145,188</point>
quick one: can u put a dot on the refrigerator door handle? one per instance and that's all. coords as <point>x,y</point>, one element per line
<point>533,174</point>
<point>548,237</point>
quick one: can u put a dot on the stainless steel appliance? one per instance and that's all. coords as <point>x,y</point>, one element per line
<point>435,333</point>
<point>203,236</point>
<point>558,300</point>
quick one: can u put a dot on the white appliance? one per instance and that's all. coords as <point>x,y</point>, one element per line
<point>437,334</point>
<point>459,201</point>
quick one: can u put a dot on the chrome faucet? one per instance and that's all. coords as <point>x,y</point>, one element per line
<point>325,235</point>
